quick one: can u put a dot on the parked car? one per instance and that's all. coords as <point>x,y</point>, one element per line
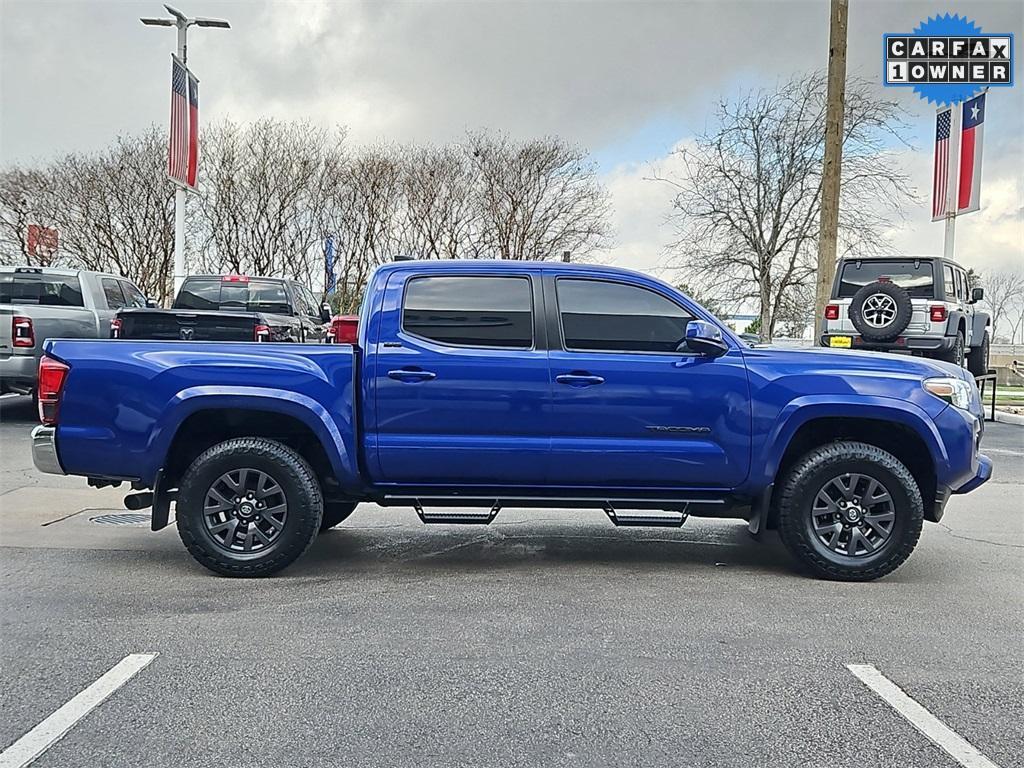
<point>923,306</point>
<point>39,303</point>
<point>486,384</point>
<point>231,308</point>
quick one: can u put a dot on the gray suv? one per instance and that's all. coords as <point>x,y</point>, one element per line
<point>40,303</point>
<point>922,306</point>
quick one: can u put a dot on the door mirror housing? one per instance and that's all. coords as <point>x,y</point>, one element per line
<point>325,313</point>
<point>977,294</point>
<point>704,338</point>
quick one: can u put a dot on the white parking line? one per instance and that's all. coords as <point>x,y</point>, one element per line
<point>957,747</point>
<point>52,729</point>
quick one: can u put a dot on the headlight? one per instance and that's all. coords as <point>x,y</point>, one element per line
<point>954,391</point>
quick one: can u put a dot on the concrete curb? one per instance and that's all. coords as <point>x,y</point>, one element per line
<point>1009,418</point>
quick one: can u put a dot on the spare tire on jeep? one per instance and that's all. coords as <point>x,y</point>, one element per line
<point>881,311</point>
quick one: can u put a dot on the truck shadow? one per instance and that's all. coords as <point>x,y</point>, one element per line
<point>406,549</point>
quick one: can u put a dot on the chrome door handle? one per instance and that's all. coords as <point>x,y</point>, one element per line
<point>404,374</point>
<point>579,379</point>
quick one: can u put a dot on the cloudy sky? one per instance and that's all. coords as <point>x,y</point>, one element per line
<point>627,80</point>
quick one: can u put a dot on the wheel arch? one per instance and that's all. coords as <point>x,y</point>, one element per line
<point>201,418</point>
<point>898,430</point>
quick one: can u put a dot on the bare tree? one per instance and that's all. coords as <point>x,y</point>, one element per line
<point>1004,294</point>
<point>364,213</point>
<point>440,215</point>
<point>747,207</point>
<point>262,193</point>
<point>23,203</point>
<point>537,198</point>
<point>115,210</point>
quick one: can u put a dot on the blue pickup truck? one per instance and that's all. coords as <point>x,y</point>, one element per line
<point>475,385</point>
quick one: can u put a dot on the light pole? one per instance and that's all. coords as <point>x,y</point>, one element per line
<point>182,22</point>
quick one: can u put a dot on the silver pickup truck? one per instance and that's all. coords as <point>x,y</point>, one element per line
<point>40,303</point>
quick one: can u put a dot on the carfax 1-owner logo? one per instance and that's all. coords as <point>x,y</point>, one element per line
<point>948,59</point>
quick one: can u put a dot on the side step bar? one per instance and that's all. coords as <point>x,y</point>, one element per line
<point>667,520</point>
<point>653,518</point>
<point>457,518</point>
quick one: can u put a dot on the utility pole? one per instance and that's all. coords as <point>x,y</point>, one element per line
<point>182,23</point>
<point>832,171</point>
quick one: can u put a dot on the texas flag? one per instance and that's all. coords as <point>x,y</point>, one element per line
<point>972,133</point>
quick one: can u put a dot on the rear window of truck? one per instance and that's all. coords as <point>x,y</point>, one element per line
<point>42,289</point>
<point>234,296</point>
<point>915,277</point>
<point>470,311</point>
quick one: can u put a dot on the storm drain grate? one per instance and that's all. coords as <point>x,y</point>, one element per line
<point>122,518</point>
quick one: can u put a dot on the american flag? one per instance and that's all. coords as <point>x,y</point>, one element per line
<point>940,179</point>
<point>177,163</point>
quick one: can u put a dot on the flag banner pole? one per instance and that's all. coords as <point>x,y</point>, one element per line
<point>952,179</point>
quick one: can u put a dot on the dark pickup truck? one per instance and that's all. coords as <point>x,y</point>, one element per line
<point>478,385</point>
<point>230,308</point>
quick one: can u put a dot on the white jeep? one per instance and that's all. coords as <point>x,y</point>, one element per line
<point>921,306</point>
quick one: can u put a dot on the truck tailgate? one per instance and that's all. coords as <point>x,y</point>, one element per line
<point>177,325</point>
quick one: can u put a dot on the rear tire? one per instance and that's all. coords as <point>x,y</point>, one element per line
<point>865,533</point>
<point>956,354</point>
<point>977,358</point>
<point>248,507</point>
<point>335,513</point>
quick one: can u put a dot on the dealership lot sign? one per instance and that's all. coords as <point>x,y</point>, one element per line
<point>948,59</point>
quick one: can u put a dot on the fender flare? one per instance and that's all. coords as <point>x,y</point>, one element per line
<point>802,410</point>
<point>312,414</point>
<point>980,323</point>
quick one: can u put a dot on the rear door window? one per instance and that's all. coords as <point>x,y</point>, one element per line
<point>40,288</point>
<point>915,277</point>
<point>133,296</point>
<point>950,287</point>
<point>615,317</point>
<point>470,311</point>
<point>112,293</point>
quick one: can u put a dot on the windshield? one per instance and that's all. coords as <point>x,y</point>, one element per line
<point>914,276</point>
<point>43,289</point>
<point>234,296</point>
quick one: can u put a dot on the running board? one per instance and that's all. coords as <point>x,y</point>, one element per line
<point>667,520</point>
<point>457,518</point>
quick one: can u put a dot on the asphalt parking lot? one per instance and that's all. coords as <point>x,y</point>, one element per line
<point>547,638</point>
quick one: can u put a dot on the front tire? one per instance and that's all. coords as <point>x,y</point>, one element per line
<point>850,511</point>
<point>248,507</point>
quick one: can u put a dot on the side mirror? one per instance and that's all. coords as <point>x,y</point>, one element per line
<point>325,313</point>
<point>704,338</point>
<point>152,303</point>
<point>977,294</point>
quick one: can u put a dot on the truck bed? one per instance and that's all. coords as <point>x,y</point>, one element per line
<point>124,400</point>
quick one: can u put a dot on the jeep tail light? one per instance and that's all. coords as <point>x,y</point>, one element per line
<point>115,328</point>
<point>52,374</point>
<point>22,334</point>
<point>832,312</point>
<point>261,333</point>
<point>938,313</point>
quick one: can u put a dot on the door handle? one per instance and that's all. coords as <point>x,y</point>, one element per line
<point>405,374</point>
<point>579,379</point>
